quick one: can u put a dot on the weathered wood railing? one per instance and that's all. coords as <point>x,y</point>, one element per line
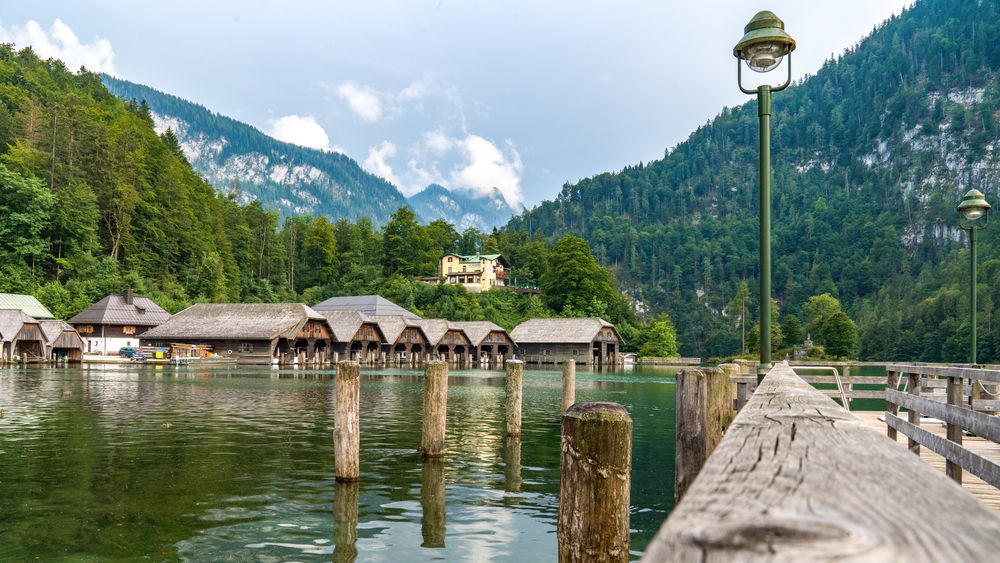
<point>958,411</point>
<point>798,478</point>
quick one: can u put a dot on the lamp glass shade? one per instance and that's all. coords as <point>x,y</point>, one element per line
<point>764,57</point>
<point>974,205</point>
<point>764,42</point>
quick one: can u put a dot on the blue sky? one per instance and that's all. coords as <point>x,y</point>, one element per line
<point>515,94</point>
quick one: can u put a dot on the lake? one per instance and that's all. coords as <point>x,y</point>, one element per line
<point>122,462</point>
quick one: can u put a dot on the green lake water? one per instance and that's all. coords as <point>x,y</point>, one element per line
<point>125,463</point>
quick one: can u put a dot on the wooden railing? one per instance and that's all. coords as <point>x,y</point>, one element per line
<point>796,477</point>
<point>958,409</point>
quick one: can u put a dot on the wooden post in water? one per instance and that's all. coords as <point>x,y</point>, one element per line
<point>568,384</point>
<point>435,409</point>
<point>432,521</point>
<point>704,411</point>
<point>594,481</point>
<point>512,464</point>
<point>513,386</point>
<point>345,522</point>
<point>347,422</point>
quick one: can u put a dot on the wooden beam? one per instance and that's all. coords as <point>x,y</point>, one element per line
<point>952,452</point>
<point>976,422</point>
<point>991,375</point>
<point>798,478</point>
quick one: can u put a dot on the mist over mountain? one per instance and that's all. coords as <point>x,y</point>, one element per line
<point>870,157</point>
<point>464,208</point>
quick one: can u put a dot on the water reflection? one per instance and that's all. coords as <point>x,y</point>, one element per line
<point>345,522</point>
<point>433,515</point>
<point>512,464</point>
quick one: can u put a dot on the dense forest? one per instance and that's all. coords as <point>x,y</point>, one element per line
<point>871,156</point>
<point>236,157</point>
<point>92,200</point>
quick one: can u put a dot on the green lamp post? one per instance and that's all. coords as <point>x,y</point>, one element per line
<point>975,213</point>
<point>763,45</point>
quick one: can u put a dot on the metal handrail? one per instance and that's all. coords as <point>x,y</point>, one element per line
<point>836,377</point>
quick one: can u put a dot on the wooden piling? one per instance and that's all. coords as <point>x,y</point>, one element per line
<point>568,384</point>
<point>595,470</point>
<point>513,387</point>
<point>345,522</point>
<point>512,464</point>
<point>432,442</point>
<point>704,411</point>
<point>432,505</point>
<point>347,422</point>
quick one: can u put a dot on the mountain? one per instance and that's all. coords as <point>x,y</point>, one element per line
<point>870,157</point>
<point>464,208</point>
<point>291,179</point>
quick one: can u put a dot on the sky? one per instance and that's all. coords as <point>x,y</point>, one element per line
<point>521,95</point>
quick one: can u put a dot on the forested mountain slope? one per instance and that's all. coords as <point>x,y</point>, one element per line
<point>871,155</point>
<point>291,179</point>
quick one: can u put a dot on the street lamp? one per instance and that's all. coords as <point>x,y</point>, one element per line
<point>975,213</point>
<point>763,45</point>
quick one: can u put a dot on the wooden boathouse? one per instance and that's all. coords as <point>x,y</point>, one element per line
<point>62,342</point>
<point>405,341</point>
<point>371,305</point>
<point>21,337</point>
<point>489,343</point>
<point>117,321</point>
<point>252,332</point>
<point>355,336</point>
<point>445,341</point>
<point>589,340</point>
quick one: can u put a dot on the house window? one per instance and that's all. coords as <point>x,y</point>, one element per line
<point>576,352</point>
<point>128,330</point>
<point>548,352</point>
<point>449,258</point>
<point>464,268</point>
<point>85,329</point>
<point>246,346</point>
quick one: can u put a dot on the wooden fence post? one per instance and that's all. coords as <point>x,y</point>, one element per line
<point>513,387</point>
<point>432,442</point>
<point>345,522</point>
<point>912,416</point>
<point>594,481</point>
<point>568,384</point>
<point>891,382</point>
<point>704,412</point>
<point>347,422</point>
<point>434,516</point>
<point>954,431</point>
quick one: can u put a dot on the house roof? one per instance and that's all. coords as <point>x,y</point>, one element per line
<point>371,305</point>
<point>477,330</point>
<point>26,303</point>
<point>113,310</point>
<point>435,329</point>
<point>59,334</point>
<point>478,257</point>
<point>345,324</point>
<point>392,326</point>
<point>248,321</point>
<point>560,330</point>
<point>11,322</point>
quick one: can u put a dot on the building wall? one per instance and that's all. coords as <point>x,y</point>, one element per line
<point>221,347</point>
<point>554,353</point>
<point>108,339</point>
<point>483,271</point>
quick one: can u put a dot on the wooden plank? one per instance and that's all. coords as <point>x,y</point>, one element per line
<point>986,405</point>
<point>913,384</point>
<point>866,394</point>
<point>954,453</point>
<point>891,406</point>
<point>954,430</point>
<point>990,375</point>
<point>978,423</point>
<point>692,405</point>
<point>798,478</point>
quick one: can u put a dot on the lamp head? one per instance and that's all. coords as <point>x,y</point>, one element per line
<point>974,206</point>
<point>764,42</point>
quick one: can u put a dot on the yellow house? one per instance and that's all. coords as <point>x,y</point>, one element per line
<point>478,272</point>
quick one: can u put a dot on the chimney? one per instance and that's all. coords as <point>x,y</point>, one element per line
<point>129,296</point>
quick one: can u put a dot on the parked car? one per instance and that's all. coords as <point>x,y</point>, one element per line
<point>127,351</point>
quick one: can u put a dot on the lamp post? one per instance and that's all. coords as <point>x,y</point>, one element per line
<point>975,214</point>
<point>763,45</point>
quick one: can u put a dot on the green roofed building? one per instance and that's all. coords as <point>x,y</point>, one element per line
<point>27,304</point>
<point>476,272</point>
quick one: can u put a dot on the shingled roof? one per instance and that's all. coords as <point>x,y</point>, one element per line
<point>393,325</point>
<point>26,303</point>
<point>559,330</point>
<point>435,329</point>
<point>116,310</point>
<point>59,334</point>
<point>238,321</point>
<point>11,323</point>
<point>345,324</point>
<point>477,330</point>
<point>371,305</point>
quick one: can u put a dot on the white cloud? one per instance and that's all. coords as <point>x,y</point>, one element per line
<point>362,100</point>
<point>486,167</point>
<point>301,130</point>
<point>61,42</point>
<point>377,163</point>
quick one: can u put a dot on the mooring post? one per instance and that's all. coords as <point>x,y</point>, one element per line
<point>512,464</point>
<point>345,522</point>
<point>435,409</point>
<point>568,384</point>
<point>704,411</point>
<point>432,505</point>
<point>513,386</point>
<point>347,422</point>
<point>594,481</point>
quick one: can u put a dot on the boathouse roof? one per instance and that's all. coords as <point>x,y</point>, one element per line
<point>477,331</point>
<point>26,303</point>
<point>371,305</point>
<point>124,309</point>
<point>345,324</point>
<point>560,330</point>
<point>237,321</point>
<point>435,329</point>
<point>12,326</point>
<point>392,326</point>
<point>59,334</point>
